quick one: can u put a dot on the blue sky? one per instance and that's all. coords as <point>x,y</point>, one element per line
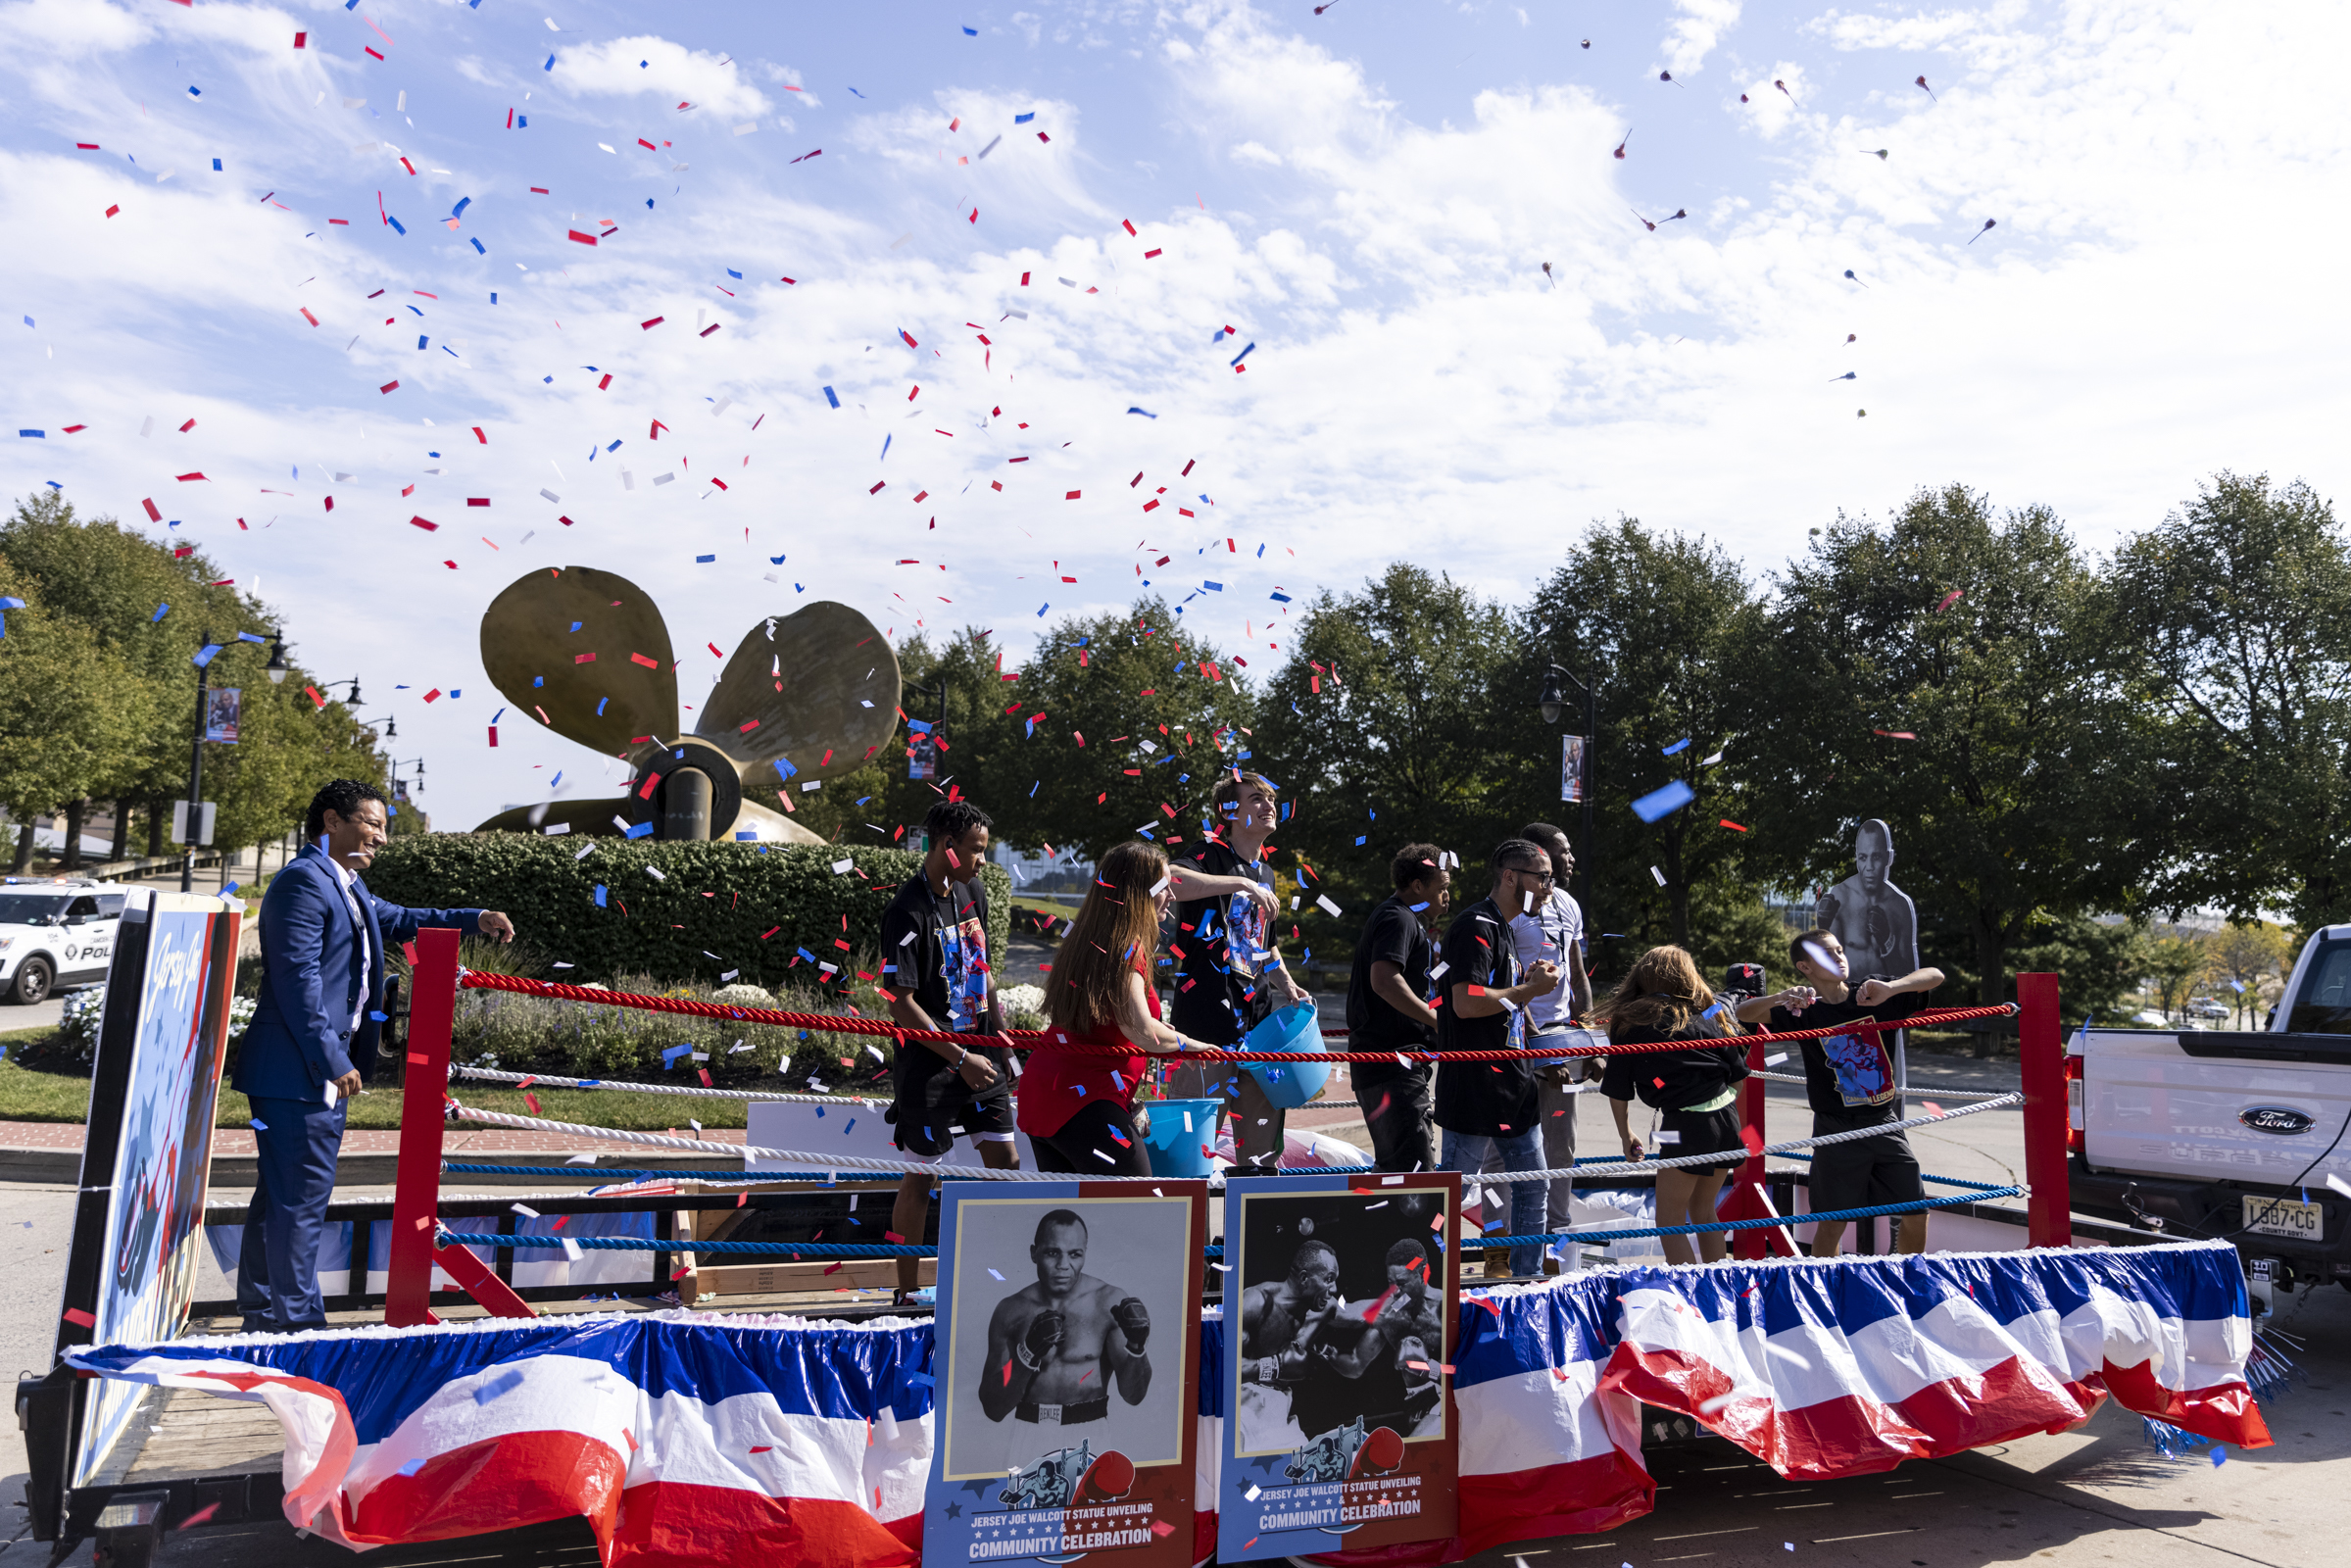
<point>1368,196</point>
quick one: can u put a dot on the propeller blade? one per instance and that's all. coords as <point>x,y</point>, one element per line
<point>839,693</point>
<point>604,685</point>
<point>589,817</point>
<point>605,817</point>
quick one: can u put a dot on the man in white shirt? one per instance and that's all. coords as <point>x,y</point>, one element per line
<point>1554,931</point>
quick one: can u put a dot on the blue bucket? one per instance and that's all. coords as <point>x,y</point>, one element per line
<point>1294,1028</point>
<point>1181,1130</point>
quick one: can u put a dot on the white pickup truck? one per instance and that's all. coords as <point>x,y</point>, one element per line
<point>2213,1133</point>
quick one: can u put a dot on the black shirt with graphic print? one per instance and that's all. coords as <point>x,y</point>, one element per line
<point>1222,947</point>
<point>935,950</point>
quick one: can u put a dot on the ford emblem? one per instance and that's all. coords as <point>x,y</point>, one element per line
<point>2274,1120</point>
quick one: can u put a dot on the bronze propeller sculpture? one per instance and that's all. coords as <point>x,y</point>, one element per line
<point>806,696</point>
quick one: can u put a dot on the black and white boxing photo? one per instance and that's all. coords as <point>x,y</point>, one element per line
<point>1338,1315</point>
<point>1068,1327</point>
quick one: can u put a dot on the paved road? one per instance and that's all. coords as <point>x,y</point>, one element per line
<point>46,1014</point>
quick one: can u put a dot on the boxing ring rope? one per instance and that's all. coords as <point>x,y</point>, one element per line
<point>1032,1038</point>
<point>839,1162</point>
<point>418,1242</point>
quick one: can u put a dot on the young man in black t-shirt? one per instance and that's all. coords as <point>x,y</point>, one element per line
<point>936,973</point>
<point>1229,974</point>
<point>1388,1009</point>
<point>1490,1106</point>
<point>1851,1081</point>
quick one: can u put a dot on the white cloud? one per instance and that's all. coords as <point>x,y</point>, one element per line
<point>1700,28</point>
<point>1249,151</point>
<point>651,64</point>
<point>71,28</point>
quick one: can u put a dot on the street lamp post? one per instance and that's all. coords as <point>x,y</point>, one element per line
<point>1551,703</point>
<point>275,669</point>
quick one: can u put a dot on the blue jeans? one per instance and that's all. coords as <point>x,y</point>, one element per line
<point>1467,1153</point>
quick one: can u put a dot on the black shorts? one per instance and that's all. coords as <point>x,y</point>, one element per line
<point>1703,1132</point>
<point>1097,1140</point>
<point>923,1130</point>
<point>1865,1173</point>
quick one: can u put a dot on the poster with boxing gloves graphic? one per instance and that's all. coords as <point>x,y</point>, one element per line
<point>1340,1312</point>
<point>1067,1368</point>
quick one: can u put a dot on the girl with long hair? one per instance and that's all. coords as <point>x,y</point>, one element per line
<point>1694,1091</point>
<point>1078,1108</point>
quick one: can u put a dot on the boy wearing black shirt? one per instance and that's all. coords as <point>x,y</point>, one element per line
<point>1388,1009</point>
<point>1229,975</point>
<point>1849,1080</point>
<point>936,973</point>
<point>1486,1105</point>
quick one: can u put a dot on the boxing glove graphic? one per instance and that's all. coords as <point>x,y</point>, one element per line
<point>1134,1320</point>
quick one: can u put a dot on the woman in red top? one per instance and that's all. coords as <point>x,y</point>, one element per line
<point>1078,1107</point>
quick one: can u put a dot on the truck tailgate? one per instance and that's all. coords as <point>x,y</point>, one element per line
<point>2208,1106</point>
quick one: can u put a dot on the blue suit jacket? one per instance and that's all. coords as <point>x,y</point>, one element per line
<point>312,979</point>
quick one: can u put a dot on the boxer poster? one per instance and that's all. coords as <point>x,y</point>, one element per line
<point>1067,1372</point>
<point>1341,1309</point>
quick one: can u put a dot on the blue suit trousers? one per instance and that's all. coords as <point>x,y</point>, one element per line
<point>278,1271</point>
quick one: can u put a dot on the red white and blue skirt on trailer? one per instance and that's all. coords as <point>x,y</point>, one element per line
<point>687,1437</point>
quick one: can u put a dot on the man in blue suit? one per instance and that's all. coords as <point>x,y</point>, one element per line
<point>323,937</point>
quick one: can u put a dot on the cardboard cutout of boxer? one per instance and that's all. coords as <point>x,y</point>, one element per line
<point>1876,921</point>
<point>1067,1370</point>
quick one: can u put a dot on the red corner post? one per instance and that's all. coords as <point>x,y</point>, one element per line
<point>2049,1202</point>
<point>417,1190</point>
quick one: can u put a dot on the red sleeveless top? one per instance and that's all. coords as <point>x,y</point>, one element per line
<point>1057,1084</point>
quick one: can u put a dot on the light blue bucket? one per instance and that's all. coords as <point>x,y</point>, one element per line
<point>1293,1028</point>
<point>1182,1132</point>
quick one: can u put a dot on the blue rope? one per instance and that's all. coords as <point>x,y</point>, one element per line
<point>632,1243</point>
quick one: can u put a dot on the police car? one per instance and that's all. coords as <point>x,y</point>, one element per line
<point>55,933</point>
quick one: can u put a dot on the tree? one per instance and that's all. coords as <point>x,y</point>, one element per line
<point>2175,963</point>
<point>1945,673</point>
<point>2099,964</point>
<point>1113,723</point>
<point>1666,626</point>
<point>878,802</point>
<point>287,745</point>
<point>68,708</point>
<point>1385,727</point>
<point>2251,958</point>
<point>2240,605</point>
<point>150,605</point>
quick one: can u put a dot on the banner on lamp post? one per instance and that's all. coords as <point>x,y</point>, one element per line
<point>1575,768</point>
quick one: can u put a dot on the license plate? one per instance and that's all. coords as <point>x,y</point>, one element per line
<point>2283,1216</point>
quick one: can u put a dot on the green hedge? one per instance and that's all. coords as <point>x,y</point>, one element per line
<point>711,899</point>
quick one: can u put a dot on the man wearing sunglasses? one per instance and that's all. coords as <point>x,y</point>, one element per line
<point>1482,1005</point>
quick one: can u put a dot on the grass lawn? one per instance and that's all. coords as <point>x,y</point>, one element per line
<point>58,1097</point>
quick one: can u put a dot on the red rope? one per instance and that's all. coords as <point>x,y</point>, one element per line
<point>1035,1039</point>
